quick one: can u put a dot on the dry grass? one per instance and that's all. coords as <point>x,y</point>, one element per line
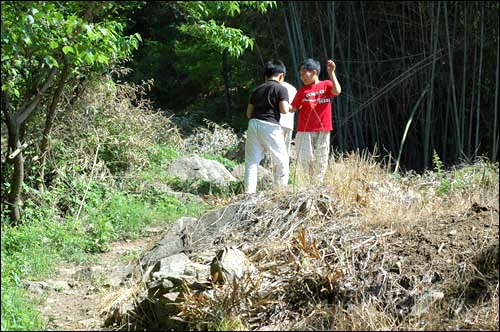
<point>115,122</point>
<point>364,251</point>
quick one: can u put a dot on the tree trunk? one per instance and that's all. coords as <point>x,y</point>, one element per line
<point>14,122</point>
<point>17,176</point>
<point>227,101</point>
<point>49,122</point>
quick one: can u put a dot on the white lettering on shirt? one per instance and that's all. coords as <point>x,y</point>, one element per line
<point>315,93</point>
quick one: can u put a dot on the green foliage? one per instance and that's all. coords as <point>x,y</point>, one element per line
<point>438,164</point>
<point>219,37</point>
<point>31,251</point>
<point>17,315</point>
<point>194,34</point>
<point>204,22</point>
<point>125,215</point>
<point>41,35</point>
<point>444,184</point>
<point>227,324</point>
<point>229,164</point>
<point>481,174</point>
<point>162,155</point>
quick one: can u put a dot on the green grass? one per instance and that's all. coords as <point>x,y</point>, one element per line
<point>50,233</point>
<point>17,313</point>
<point>124,216</point>
<point>229,164</point>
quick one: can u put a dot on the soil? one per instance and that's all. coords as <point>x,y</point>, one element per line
<point>438,247</point>
<point>72,305</point>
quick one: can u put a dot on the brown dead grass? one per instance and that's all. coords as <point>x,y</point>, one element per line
<point>364,251</point>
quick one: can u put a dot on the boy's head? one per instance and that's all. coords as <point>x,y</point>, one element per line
<point>309,71</point>
<point>275,69</point>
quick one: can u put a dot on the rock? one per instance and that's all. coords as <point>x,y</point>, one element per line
<point>176,240</point>
<point>119,275</point>
<point>230,263</point>
<point>35,286</point>
<point>209,224</point>
<point>172,266</point>
<point>199,271</point>
<point>194,167</point>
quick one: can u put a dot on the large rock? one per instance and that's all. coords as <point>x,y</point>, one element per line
<point>171,266</point>
<point>194,167</point>
<point>176,240</point>
<point>206,231</point>
<point>230,263</point>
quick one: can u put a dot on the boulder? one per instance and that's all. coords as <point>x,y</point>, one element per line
<point>195,167</point>
<point>228,264</point>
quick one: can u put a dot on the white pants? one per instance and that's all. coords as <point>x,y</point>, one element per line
<point>264,136</point>
<point>312,154</point>
<point>287,134</point>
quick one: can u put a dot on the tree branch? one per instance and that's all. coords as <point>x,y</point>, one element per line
<point>21,115</point>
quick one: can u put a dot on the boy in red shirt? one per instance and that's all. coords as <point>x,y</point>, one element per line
<point>315,118</point>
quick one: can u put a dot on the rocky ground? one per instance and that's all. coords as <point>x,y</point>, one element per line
<point>68,301</point>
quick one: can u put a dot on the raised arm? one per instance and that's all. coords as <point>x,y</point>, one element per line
<point>331,72</point>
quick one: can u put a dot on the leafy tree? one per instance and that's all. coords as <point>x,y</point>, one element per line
<point>187,44</point>
<point>45,45</point>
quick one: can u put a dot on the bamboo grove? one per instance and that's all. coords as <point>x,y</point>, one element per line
<point>417,77</point>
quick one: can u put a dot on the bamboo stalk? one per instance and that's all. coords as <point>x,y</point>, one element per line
<point>478,107</point>
<point>293,52</point>
<point>428,115</point>
<point>407,127</point>
<point>494,136</point>
<point>464,82</point>
<point>452,81</point>
<point>471,112</point>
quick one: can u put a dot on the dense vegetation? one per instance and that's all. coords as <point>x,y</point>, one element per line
<point>431,66</point>
<point>99,97</point>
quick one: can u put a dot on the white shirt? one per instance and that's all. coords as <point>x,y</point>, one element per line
<point>286,120</point>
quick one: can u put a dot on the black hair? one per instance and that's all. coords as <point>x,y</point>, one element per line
<point>310,64</point>
<point>273,68</point>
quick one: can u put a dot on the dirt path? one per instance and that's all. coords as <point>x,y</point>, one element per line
<point>69,300</point>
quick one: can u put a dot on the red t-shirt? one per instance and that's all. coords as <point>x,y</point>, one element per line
<point>315,107</point>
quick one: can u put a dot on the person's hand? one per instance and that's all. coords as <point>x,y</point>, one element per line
<point>331,66</point>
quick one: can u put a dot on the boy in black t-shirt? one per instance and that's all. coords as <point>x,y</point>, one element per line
<point>267,102</point>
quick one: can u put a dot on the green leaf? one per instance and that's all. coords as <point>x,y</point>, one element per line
<point>68,49</point>
<point>102,58</point>
<point>27,40</point>
<point>53,44</point>
<point>30,19</point>
<point>103,31</point>
<point>89,58</point>
<point>51,61</point>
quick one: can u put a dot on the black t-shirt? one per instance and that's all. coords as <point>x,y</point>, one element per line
<point>265,100</point>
